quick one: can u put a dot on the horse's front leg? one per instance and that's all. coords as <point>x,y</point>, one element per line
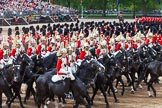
<point>104,94</point>
<point>94,94</point>
<point>80,100</point>
<point>21,104</point>
<point>0,100</point>
<point>112,89</point>
<point>16,89</point>
<point>132,75</point>
<point>122,82</point>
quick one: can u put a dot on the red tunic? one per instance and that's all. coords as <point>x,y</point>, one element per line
<point>1,54</point>
<point>82,55</point>
<point>98,51</point>
<point>48,34</point>
<point>29,51</point>
<point>147,41</point>
<point>13,52</point>
<point>160,41</point>
<point>79,44</point>
<point>58,66</point>
<point>38,50</point>
<point>108,47</point>
<point>126,46</point>
<point>118,46</point>
<point>135,46</point>
<point>154,39</point>
<point>49,48</point>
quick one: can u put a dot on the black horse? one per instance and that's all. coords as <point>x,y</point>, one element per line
<point>134,64</point>
<point>47,89</point>
<point>8,76</point>
<point>145,59</point>
<point>50,61</point>
<point>42,84</point>
<point>158,48</point>
<point>41,66</point>
<point>86,73</point>
<point>88,69</point>
<point>25,61</point>
<point>38,67</point>
<point>123,62</point>
<point>112,71</point>
<point>154,69</point>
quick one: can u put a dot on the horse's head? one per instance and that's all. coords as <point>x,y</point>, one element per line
<point>15,71</point>
<point>26,60</point>
<point>96,66</point>
<point>89,70</point>
<point>38,64</point>
<point>123,57</point>
<point>38,59</point>
<point>144,51</point>
<point>18,59</point>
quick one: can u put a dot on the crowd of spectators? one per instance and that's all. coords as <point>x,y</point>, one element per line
<point>19,8</point>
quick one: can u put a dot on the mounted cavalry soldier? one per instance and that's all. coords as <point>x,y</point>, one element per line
<point>32,48</point>
<point>128,43</point>
<point>120,43</point>
<point>18,48</point>
<point>63,67</point>
<point>43,44</point>
<point>148,39</point>
<point>84,52</point>
<point>6,60</point>
<point>102,50</point>
<point>72,57</point>
<point>58,42</point>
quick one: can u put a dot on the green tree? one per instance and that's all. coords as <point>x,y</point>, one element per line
<point>132,5</point>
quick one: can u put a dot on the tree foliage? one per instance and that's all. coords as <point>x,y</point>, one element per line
<point>125,4</point>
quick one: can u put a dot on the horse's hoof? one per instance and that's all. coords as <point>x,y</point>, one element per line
<point>61,105</point>
<point>150,96</point>
<point>75,106</point>
<point>45,106</point>
<point>107,106</point>
<point>4,104</point>
<point>64,102</point>
<point>135,89</point>
<point>117,101</point>
<point>129,84</point>
<point>154,95</point>
<point>140,86</point>
<point>88,106</point>
<point>132,92</point>
<point>122,93</point>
